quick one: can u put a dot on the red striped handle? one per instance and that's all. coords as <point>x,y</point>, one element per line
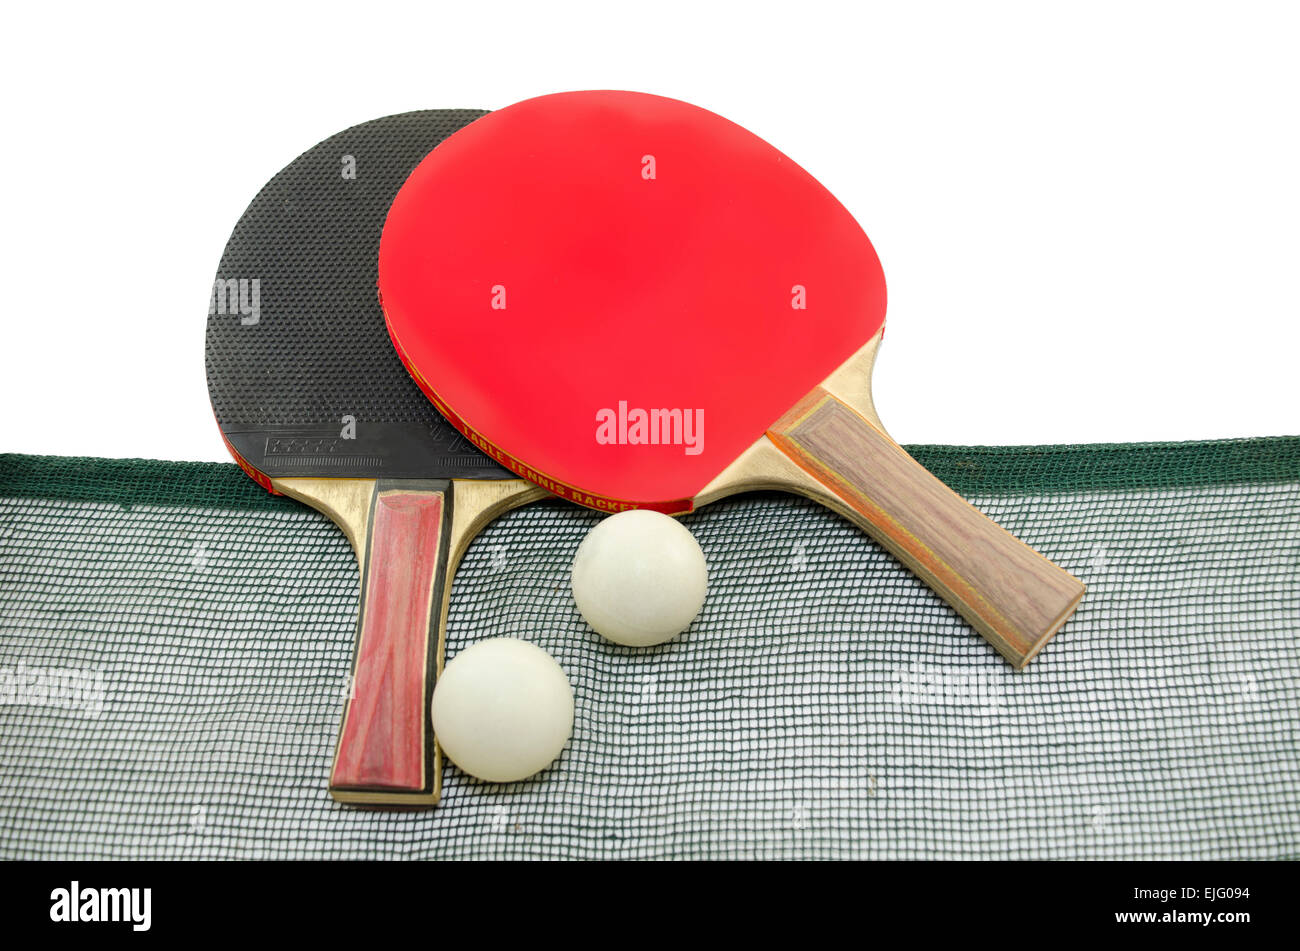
<point>386,743</point>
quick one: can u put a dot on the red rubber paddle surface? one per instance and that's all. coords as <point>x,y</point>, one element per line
<point>578,251</point>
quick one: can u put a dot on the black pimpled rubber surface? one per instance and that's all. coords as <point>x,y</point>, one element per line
<point>319,350</point>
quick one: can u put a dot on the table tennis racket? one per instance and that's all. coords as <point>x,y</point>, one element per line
<point>313,403</point>
<point>636,303</point>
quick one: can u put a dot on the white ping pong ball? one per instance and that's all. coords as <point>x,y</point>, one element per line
<point>639,578</point>
<point>502,709</point>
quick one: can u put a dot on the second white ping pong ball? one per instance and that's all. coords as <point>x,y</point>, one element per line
<point>502,709</point>
<point>639,578</point>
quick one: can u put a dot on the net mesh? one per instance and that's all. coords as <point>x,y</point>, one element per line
<point>174,645</point>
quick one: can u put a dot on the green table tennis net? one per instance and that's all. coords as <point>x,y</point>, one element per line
<point>174,649</point>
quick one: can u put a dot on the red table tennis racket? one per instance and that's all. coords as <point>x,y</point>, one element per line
<point>635,303</point>
<point>313,403</point>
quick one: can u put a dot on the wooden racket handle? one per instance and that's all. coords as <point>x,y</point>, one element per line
<point>1008,592</point>
<point>386,742</point>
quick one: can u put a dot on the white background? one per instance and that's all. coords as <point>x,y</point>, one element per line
<point>1088,214</point>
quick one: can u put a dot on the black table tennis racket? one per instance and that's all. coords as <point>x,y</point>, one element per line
<point>313,402</point>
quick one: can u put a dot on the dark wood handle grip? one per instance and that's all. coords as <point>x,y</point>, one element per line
<point>1008,592</point>
<point>386,742</point>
